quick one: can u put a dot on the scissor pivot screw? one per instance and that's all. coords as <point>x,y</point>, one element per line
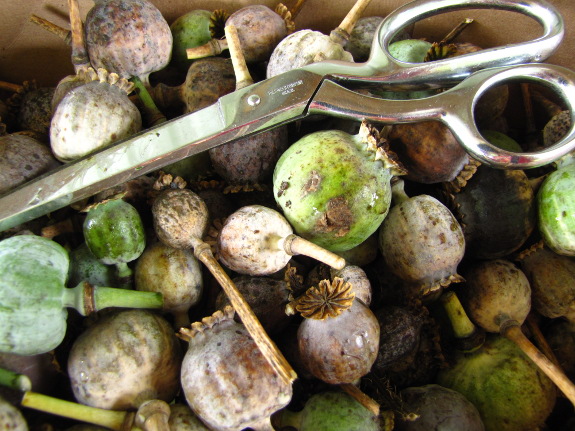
<point>254,100</point>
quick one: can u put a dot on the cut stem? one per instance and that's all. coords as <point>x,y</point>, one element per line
<point>296,8</point>
<point>115,420</point>
<point>456,31</point>
<point>105,297</point>
<point>69,225</point>
<point>361,398</point>
<point>243,76</point>
<point>551,108</point>
<point>8,86</point>
<point>80,58</point>
<point>528,106</point>
<point>469,337</point>
<point>460,323</point>
<point>166,96</point>
<point>87,299</point>
<point>203,253</point>
<point>293,244</point>
<point>512,331</point>
<point>209,49</point>
<point>153,415</point>
<point>341,34</point>
<point>151,112</point>
<point>62,33</point>
<point>12,380</point>
<point>540,340</point>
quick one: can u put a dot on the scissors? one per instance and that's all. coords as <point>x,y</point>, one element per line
<point>322,88</point>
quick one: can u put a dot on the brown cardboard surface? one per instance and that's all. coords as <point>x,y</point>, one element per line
<point>29,52</point>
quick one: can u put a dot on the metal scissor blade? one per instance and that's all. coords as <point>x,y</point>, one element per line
<point>239,114</point>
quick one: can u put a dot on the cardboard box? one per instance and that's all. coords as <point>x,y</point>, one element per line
<point>30,52</point>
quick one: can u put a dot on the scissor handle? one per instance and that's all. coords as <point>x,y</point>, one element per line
<point>383,69</point>
<point>455,108</point>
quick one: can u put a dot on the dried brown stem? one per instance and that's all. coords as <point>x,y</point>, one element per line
<point>551,108</point>
<point>294,244</point>
<point>512,331</point>
<point>296,8</point>
<point>540,339</point>
<point>361,397</point>
<point>80,58</point>
<point>528,106</point>
<point>8,86</point>
<point>341,34</point>
<point>456,31</point>
<point>243,76</point>
<point>213,47</point>
<point>62,33</point>
<point>203,252</point>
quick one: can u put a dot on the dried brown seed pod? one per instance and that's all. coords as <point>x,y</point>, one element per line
<point>21,159</point>
<point>428,150</point>
<point>175,273</point>
<point>250,160</point>
<point>421,241</point>
<point>552,280</point>
<point>400,334</point>
<point>206,81</point>
<point>342,348</point>
<point>124,359</point>
<point>358,278</point>
<point>260,29</point>
<point>496,209</point>
<point>225,378</point>
<point>35,111</point>
<point>128,37</point>
<point>180,215</point>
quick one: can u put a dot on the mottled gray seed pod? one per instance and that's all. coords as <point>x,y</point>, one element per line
<point>248,241</point>
<point>304,47</point>
<point>340,349</point>
<point>91,117</point>
<point>422,242</point>
<point>226,380</point>
<point>21,159</point>
<point>129,37</point>
<point>180,217</point>
<point>260,29</point>
<point>125,359</point>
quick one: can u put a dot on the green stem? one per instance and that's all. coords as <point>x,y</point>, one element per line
<point>106,418</point>
<point>468,335</point>
<point>151,112</point>
<point>124,275</point>
<point>13,380</point>
<point>87,298</point>
<point>110,297</point>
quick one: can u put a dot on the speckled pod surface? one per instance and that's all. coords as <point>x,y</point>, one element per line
<point>129,37</point>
